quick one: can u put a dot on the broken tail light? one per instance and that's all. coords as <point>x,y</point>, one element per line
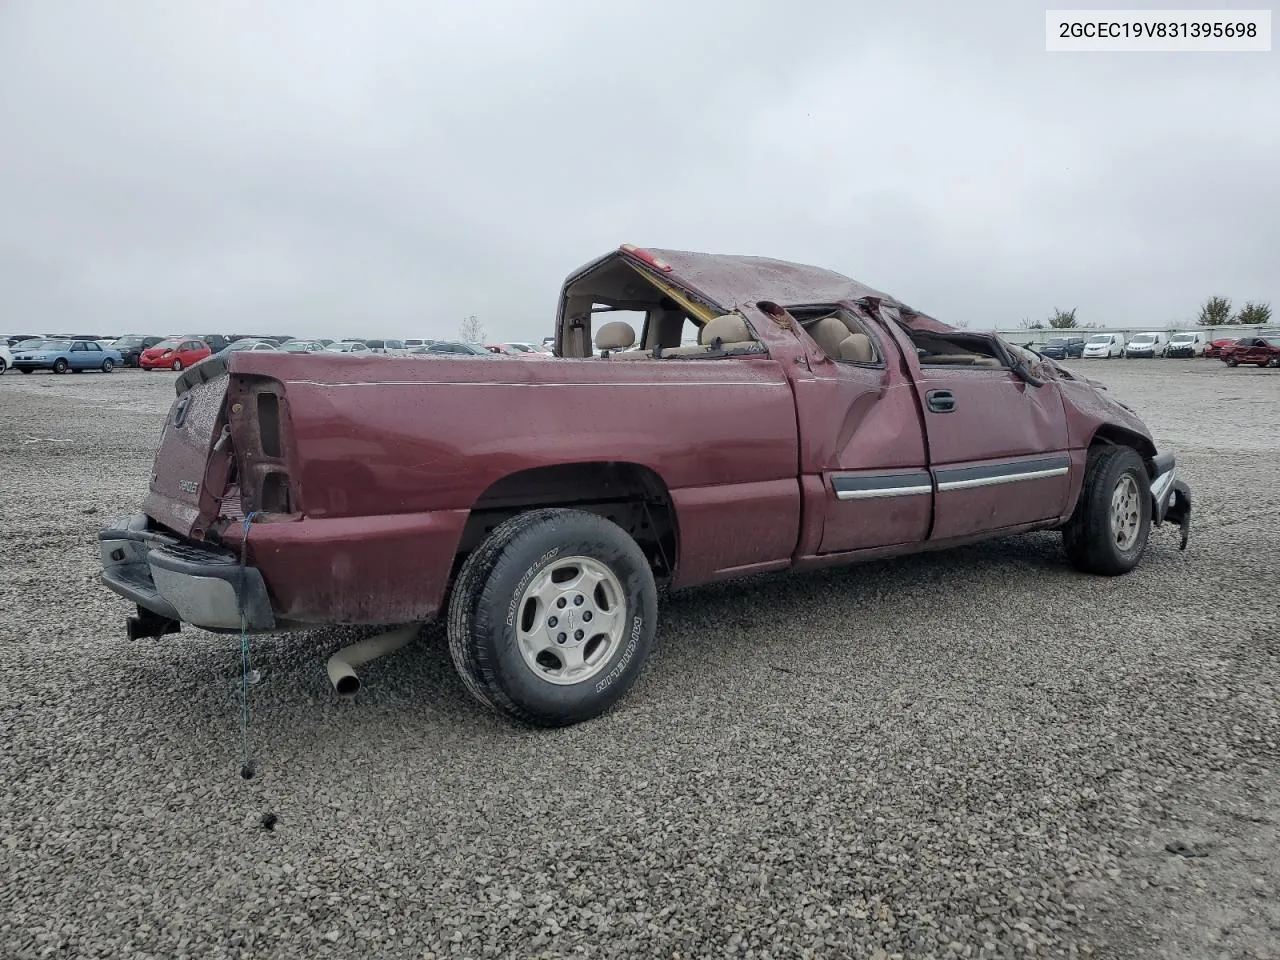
<point>259,420</point>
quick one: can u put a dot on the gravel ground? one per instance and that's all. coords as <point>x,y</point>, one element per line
<point>978,753</point>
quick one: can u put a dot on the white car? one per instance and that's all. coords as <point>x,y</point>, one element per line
<point>1104,346</point>
<point>6,357</point>
<point>1189,343</point>
<point>1147,345</point>
<point>348,346</point>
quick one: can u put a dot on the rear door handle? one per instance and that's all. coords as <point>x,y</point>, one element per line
<point>940,401</point>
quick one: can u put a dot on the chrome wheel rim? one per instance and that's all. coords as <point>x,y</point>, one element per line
<point>570,620</point>
<point>1126,513</point>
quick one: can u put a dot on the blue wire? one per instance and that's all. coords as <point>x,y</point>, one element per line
<point>246,769</point>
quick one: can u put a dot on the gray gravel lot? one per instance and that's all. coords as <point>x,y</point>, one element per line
<point>979,753</point>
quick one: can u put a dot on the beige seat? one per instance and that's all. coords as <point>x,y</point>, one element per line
<point>840,340</point>
<point>730,330</point>
<point>615,335</point>
<point>857,348</point>
<point>828,333</point>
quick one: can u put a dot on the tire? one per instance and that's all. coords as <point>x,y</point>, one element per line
<point>177,366</point>
<point>3,367</point>
<point>1091,537</point>
<point>108,365</point>
<point>497,590</point>
<point>1232,362</point>
<point>60,366</point>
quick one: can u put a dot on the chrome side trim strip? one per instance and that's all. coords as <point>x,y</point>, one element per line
<point>876,492</point>
<point>969,484</point>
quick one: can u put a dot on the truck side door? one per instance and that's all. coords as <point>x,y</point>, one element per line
<point>862,450</point>
<point>999,452</point>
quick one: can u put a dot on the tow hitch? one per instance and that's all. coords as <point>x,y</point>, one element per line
<point>150,625</point>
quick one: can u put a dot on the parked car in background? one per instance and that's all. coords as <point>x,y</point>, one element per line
<point>176,354</point>
<point>1188,343</point>
<point>131,345</point>
<point>215,341</point>
<point>63,356</point>
<point>1104,346</point>
<point>6,357</point>
<point>1259,351</point>
<point>411,344</point>
<point>1063,348</point>
<point>248,343</point>
<point>348,346</point>
<point>303,346</point>
<point>13,339</point>
<point>385,346</point>
<point>1217,345</point>
<point>456,348</point>
<point>1147,346</point>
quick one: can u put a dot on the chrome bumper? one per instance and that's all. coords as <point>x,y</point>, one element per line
<point>179,581</point>
<point>1170,497</point>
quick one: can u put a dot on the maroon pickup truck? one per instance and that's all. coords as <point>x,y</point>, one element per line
<point>538,506</point>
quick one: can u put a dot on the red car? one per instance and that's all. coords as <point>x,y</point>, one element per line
<point>1260,351</point>
<point>1215,347</point>
<point>176,353</point>
<point>539,517</point>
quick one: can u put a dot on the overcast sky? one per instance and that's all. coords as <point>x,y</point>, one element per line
<point>385,168</point>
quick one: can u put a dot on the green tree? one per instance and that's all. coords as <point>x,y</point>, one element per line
<point>1063,319</point>
<point>1215,312</point>
<point>1254,313</point>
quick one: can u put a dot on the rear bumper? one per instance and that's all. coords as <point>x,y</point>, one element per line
<point>1170,496</point>
<point>180,581</point>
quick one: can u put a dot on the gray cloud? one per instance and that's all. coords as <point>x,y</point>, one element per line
<point>327,169</point>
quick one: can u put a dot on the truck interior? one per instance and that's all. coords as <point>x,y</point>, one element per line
<point>605,306</point>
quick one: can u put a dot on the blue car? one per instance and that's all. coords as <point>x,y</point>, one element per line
<point>62,356</point>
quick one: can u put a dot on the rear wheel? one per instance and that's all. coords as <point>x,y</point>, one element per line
<point>1107,534</point>
<point>552,617</point>
<point>108,365</point>
<point>177,365</point>
<point>60,366</point>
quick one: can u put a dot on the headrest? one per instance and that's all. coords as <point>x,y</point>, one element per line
<point>829,333</point>
<point>615,335</point>
<point>857,347</point>
<point>729,328</point>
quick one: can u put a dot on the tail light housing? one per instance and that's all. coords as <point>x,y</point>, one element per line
<point>258,415</point>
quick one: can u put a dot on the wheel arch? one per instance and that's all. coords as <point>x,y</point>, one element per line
<point>630,494</point>
<point>1110,434</point>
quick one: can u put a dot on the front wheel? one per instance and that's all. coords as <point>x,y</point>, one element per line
<point>1107,533</point>
<point>108,365</point>
<point>1232,362</point>
<point>3,366</point>
<point>177,366</point>
<point>60,366</point>
<point>552,617</point>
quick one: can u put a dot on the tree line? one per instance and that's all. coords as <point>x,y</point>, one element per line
<point>1214,312</point>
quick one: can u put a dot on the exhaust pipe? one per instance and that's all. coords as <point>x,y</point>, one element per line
<point>342,665</point>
